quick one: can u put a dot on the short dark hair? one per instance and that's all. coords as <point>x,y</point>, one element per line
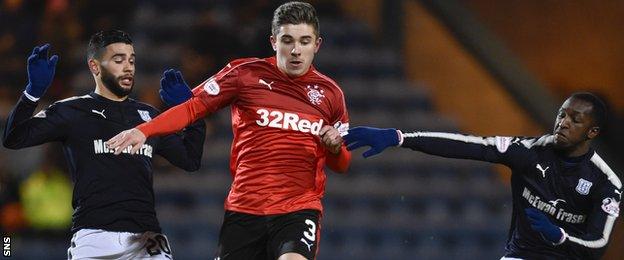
<point>599,109</point>
<point>101,39</point>
<point>295,13</point>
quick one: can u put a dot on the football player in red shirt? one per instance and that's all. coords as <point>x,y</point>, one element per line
<point>287,120</point>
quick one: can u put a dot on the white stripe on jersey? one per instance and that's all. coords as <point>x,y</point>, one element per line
<point>487,141</point>
<point>600,242</point>
<point>31,98</point>
<point>73,98</point>
<point>542,141</point>
<point>610,219</point>
<point>455,137</point>
<point>602,165</point>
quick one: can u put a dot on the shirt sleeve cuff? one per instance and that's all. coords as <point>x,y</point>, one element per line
<point>145,129</point>
<point>31,98</point>
<point>564,237</point>
<point>400,138</point>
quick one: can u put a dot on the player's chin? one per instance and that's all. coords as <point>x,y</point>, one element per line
<point>296,71</point>
<point>294,74</point>
<point>561,144</point>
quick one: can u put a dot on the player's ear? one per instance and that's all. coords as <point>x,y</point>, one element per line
<point>317,44</point>
<point>93,66</point>
<point>273,41</point>
<point>593,132</point>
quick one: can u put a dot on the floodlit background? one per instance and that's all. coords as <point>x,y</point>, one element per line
<point>476,66</point>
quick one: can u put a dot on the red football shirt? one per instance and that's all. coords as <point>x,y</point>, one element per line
<point>277,158</point>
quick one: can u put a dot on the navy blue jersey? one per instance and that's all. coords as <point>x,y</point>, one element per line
<point>113,193</point>
<point>580,196</point>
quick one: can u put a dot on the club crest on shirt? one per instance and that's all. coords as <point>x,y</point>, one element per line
<point>583,186</point>
<point>611,206</point>
<point>315,94</point>
<point>144,115</point>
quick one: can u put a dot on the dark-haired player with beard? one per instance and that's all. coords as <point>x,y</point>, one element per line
<point>565,197</point>
<point>113,198</point>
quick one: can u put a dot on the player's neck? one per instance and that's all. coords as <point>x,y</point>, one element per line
<point>285,72</point>
<point>103,91</point>
<point>576,151</point>
<point>294,76</point>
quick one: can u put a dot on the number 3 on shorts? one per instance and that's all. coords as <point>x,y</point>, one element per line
<point>310,234</point>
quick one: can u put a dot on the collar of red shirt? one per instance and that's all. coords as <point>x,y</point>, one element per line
<point>273,60</point>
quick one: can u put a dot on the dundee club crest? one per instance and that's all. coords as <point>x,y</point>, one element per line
<point>144,115</point>
<point>583,186</point>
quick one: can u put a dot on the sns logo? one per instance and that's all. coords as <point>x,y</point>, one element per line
<point>6,246</point>
<point>278,119</point>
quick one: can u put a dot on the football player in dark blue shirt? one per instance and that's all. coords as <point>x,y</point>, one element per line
<point>113,198</point>
<point>565,197</point>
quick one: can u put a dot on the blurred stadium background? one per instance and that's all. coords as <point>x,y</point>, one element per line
<point>475,66</point>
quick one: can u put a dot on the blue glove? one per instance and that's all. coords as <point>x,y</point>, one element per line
<point>540,223</point>
<point>173,90</point>
<point>378,139</point>
<point>40,71</point>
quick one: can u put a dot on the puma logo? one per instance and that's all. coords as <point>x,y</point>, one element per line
<point>99,113</point>
<point>539,167</point>
<point>555,202</point>
<point>261,81</point>
<point>307,244</point>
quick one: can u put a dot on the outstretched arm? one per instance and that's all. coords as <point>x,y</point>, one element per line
<point>498,149</point>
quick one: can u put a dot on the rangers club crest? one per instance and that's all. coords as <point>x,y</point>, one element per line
<point>583,186</point>
<point>144,115</point>
<point>315,94</point>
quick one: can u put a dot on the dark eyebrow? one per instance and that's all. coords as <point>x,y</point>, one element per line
<point>306,37</point>
<point>123,55</point>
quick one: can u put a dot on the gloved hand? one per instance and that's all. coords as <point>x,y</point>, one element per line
<point>40,71</point>
<point>377,138</point>
<point>173,90</point>
<point>540,223</point>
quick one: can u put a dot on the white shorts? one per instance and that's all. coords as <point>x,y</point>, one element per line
<point>101,244</point>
